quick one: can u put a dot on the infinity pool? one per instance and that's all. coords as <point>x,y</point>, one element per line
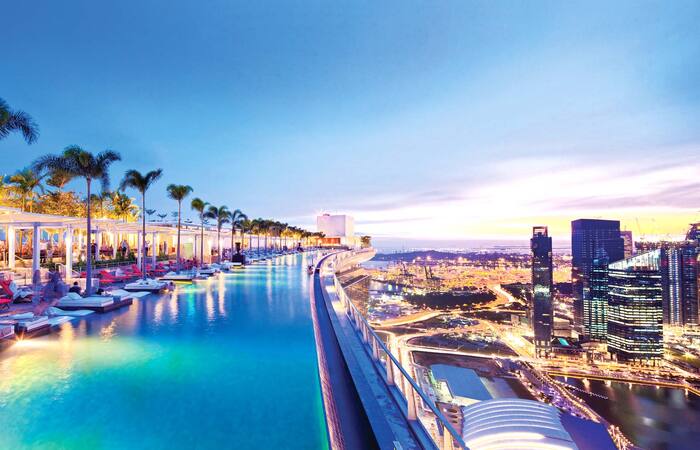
<point>227,363</point>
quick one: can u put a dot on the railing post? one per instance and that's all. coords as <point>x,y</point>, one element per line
<point>389,371</point>
<point>411,404</point>
<point>447,443</point>
<point>375,349</point>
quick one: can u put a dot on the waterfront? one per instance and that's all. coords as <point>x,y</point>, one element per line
<point>228,362</point>
<point>653,418</point>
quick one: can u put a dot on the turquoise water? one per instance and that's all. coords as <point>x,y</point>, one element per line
<point>227,363</point>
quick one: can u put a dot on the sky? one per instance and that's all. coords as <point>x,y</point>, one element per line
<point>444,120</point>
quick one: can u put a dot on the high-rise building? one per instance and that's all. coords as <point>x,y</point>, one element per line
<point>635,311</point>
<point>693,233</point>
<point>595,308</point>
<point>542,285</point>
<point>679,274</point>
<point>628,243</point>
<point>588,237</point>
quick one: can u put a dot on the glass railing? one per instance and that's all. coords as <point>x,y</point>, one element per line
<point>417,407</point>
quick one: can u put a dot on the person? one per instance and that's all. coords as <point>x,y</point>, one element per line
<point>49,251</point>
<point>55,287</point>
<point>75,288</point>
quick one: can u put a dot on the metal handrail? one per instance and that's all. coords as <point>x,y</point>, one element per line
<point>376,345</point>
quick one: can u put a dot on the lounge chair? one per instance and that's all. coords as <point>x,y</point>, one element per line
<point>18,295</point>
<point>135,271</point>
<point>109,278</point>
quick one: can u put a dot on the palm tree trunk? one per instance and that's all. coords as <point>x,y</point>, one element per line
<point>233,237</point>
<point>88,255</point>
<point>201,248</point>
<point>218,245</point>
<point>144,254</point>
<point>179,207</point>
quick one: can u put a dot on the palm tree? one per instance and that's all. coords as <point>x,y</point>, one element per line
<point>99,201</point>
<point>25,183</point>
<point>222,216</point>
<point>162,216</point>
<point>178,192</point>
<point>123,206</point>
<point>200,206</point>
<point>58,179</point>
<point>237,219</point>
<point>141,182</point>
<point>246,227</point>
<point>80,163</point>
<point>17,121</point>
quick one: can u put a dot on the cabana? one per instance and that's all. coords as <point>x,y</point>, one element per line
<point>72,243</point>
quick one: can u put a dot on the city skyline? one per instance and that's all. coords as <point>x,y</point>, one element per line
<point>459,122</point>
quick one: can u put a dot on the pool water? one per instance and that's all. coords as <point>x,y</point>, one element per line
<point>226,363</point>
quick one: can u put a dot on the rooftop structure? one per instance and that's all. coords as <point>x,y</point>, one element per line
<point>464,385</point>
<point>514,424</point>
<point>339,230</point>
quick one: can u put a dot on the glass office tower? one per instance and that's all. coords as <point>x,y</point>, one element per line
<point>542,286</point>
<point>679,272</point>
<point>588,237</point>
<point>635,311</point>
<point>596,305</point>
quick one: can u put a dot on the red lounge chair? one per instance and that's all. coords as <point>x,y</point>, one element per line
<point>5,302</point>
<point>135,271</point>
<point>5,291</point>
<point>110,278</point>
<point>158,271</point>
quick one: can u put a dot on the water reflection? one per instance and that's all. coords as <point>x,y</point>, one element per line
<point>652,417</point>
<point>203,351</point>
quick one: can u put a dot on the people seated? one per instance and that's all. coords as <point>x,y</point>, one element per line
<point>75,288</point>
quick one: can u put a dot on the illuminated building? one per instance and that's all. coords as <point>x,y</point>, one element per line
<point>628,241</point>
<point>542,309</point>
<point>693,233</point>
<point>679,271</point>
<point>514,423</point>
<point>635,308</point>
<point>595,306</point>
<point>588,236</point>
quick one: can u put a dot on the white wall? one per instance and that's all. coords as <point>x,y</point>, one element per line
<point>336,225</point>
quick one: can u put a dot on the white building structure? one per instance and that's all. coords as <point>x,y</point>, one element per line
<point>339,230</point>
<point>514,424</point>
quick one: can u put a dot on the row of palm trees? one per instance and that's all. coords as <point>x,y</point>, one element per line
<point>75,162</point>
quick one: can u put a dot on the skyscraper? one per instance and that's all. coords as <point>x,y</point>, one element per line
<point>588,237</point>
<point>635,312</point>
<point>595,309</point>
<point>542,284</point>
<point>628,241</point>
<point>679,274</point>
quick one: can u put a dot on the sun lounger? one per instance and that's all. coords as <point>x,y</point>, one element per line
<point>73,300</point>
<point>8,288</point>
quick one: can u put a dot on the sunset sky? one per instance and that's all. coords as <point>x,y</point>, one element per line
<point>449,120</point>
